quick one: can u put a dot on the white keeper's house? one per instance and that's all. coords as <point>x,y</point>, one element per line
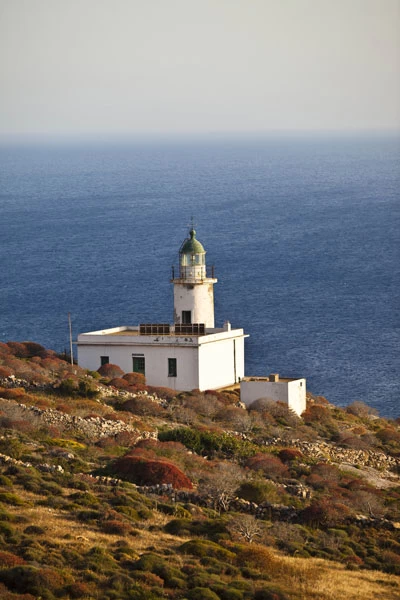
<point>191,353</point>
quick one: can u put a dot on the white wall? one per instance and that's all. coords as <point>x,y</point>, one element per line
<point>217,363</point>
<point>292,392</point>
<point>156,360</point>
<point>205,362</point>
<point>198,298</point>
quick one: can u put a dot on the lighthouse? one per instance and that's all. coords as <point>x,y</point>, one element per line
<point>190,353</point>
<point>193,288</point>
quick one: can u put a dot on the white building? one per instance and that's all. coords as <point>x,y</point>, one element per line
<point>190,354</point>
<point>280,389</point>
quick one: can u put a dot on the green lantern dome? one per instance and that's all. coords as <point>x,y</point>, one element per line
<point>191,245</point>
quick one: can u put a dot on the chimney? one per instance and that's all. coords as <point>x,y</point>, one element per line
<point>274,377</point>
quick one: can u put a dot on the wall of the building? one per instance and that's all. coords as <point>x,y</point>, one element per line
<point>293,393</point>
<point>156,362</point>
<point>198,298</point>
<point>221,363</point>
<point>206,362</point>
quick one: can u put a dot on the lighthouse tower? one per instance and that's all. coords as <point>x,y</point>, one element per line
<point>193,290</point>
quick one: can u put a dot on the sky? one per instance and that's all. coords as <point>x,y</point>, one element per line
<point>122,67</point>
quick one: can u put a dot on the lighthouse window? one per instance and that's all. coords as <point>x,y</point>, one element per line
<point>104,360</point>
<point>172,372</point>
<point>138,365</point>
<point>186,317</point>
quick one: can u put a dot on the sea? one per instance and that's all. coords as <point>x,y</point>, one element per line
<point>303,231</point>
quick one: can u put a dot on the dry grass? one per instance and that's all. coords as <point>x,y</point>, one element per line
<point>307,579</point>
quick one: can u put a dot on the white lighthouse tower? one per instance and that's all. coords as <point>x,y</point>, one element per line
<point>193,290</point>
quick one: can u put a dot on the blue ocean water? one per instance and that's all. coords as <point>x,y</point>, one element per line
<point>303,233</point>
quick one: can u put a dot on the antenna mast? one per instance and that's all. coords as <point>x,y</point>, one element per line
<point>70,338</point>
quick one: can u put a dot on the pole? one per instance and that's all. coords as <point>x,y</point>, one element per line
<point>70,338</point>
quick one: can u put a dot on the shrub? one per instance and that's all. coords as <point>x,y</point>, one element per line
<point>143,471</point>
<point>34,530</point>
<point>323,513</point>
<point>134,379</point>
<point>181,527</point>
<point>259,491</point>
<point>8,559</point>
<point>79,589</point>
<point>68,387</point>
<point>202,593</point>
<point>255,556</point>
<point>13,393</point>
<point>161,392</point>
<point>18,349</point>
<point>34,349</point>
<point>359,409</point>
<point>12,499</point>
<point>289,454</point>
<point>115,527</point>
<point>203,548</point>
<point>271,593</point>
<point>119,382</point>
<point>5,372</point>
<point>110,371</point>
<point>142,406</point>
<point>271,466</point>
<point>30,579</point>
<point>209,443</point>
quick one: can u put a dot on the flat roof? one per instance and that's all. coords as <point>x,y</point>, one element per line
<point>268,380</point>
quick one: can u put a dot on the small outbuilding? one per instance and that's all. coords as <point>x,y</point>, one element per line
<point>280,389</point>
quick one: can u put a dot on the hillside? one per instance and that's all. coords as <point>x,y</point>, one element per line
<point>113,489</point>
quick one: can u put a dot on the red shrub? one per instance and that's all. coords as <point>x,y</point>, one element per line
<point>135,378</point>
<point>324,513</point>
<point>20,425</point>
<point>161,392</point>
<point>7,559</point>
<point>289,454</point>
<point>4,349</point>
<point>126,438</point>
<point>110,371</point>
<point>143,406</point>
<point>388,434</point>
<point>5,372</point>
<point>317,413</point>
<point>138,387</point>
<point>79,589</point>
<point>52,364</point>
<point>13,393</point>
<point>116,527</point>
<point>18,349</point>
<point>143,471</point>
<point>119,383</point>
<point>34,349</point>
<point>270,465</point>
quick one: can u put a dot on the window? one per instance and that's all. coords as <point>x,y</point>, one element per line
<point>172,372</point>
<point>104,360</point>
<point>186,317</point>
<point>138,363</point>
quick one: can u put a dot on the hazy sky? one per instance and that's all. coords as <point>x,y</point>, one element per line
<point>125,66</point>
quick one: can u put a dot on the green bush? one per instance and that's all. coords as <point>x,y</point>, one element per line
<point>34,530</point>
<point>230,594</point>
<point>12,499</point>
<point>7,531</point>
<point>209,443</point>
<point>203,548</point>
<point>180,527</point>
<point>202,593</point>
<point>259,491</point>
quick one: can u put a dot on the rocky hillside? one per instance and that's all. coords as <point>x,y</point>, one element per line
<point>113,489</point>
